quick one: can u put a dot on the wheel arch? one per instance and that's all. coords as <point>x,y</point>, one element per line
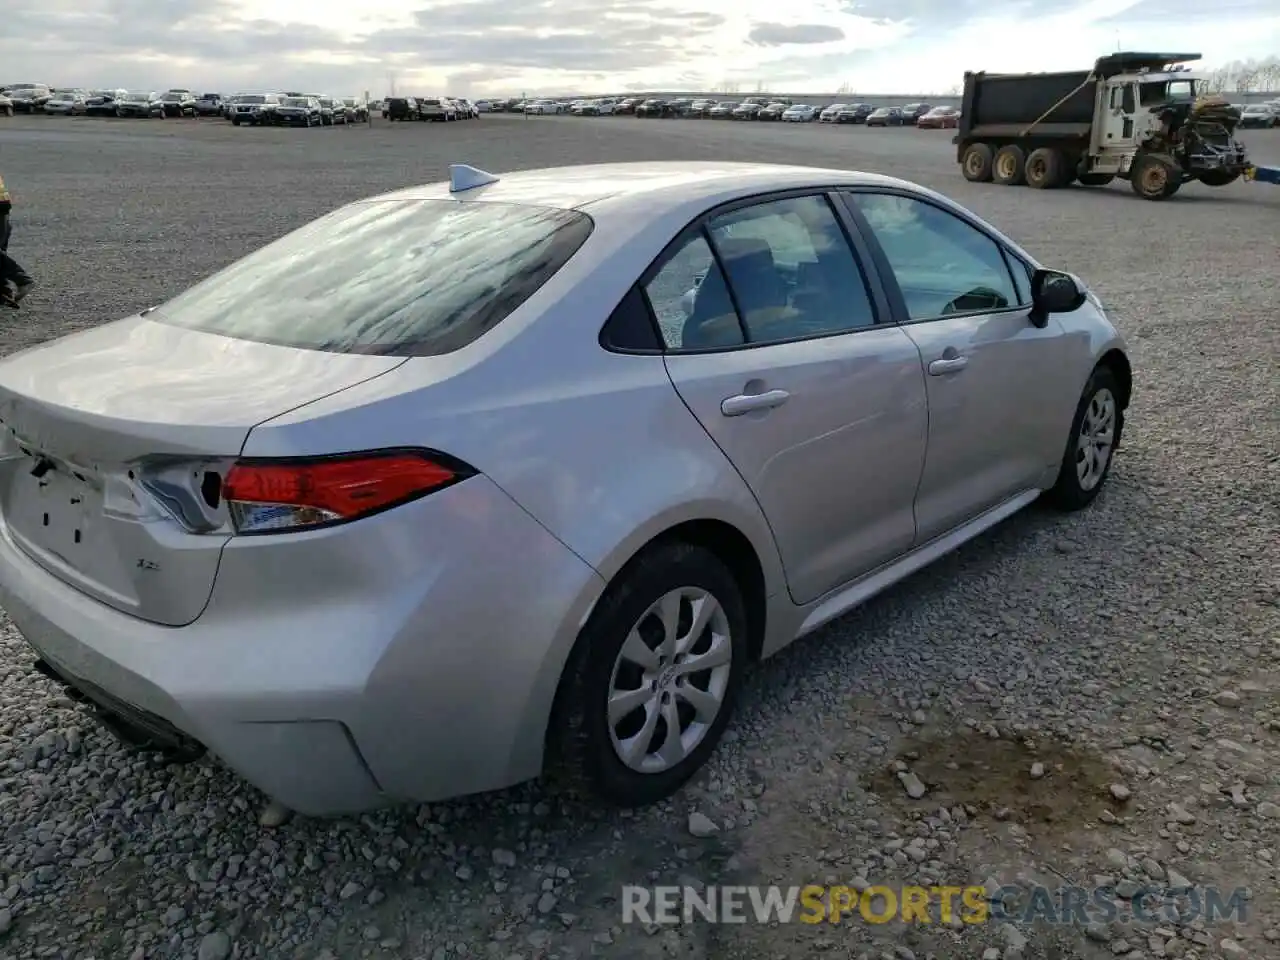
<point>727,543</point>
<point>1116,361</point>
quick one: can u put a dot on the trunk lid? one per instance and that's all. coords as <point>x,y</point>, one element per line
<point>113,443</point>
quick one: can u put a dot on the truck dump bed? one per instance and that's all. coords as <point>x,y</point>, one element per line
<point>1004,105</point>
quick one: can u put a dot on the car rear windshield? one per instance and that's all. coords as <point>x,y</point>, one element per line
<point>295,102</point>
<point>389,277</point>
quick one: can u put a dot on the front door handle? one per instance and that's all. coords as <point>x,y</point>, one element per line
<point>749,402</point>
<point>940,368</point>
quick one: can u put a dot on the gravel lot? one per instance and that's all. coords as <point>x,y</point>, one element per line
<point>1136,644</point>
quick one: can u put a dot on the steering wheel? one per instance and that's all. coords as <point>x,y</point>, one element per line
<point>979,298</point>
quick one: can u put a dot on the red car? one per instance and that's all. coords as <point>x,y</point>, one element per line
<point>939,118</point>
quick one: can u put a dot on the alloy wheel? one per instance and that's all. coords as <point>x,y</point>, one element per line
<point>1096,439</point>
<point>669,680</point>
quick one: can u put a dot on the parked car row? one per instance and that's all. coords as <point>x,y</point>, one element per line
<point>292,108</point>
<point>923,115</point>
<point>259,109</point>
<point>444,109</point>
<point>1260,115</point>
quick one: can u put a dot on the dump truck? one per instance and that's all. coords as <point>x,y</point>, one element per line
<point>1138,116</point>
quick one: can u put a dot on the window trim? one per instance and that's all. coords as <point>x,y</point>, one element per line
<point>885,268</point>
<point>878,293</point>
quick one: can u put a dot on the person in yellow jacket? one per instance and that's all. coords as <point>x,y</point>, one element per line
<point>11,272</point>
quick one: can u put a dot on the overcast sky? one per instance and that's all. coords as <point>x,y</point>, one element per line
<point>506,47</point>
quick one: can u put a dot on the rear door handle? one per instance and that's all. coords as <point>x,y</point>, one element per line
<point>749,402</point>
<point>940,368</point>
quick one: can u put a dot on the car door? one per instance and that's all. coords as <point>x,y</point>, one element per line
<point>770,324</point>
<point>993,377</point>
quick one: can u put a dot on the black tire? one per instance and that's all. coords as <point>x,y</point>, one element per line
<point>1069,492</point>
<point>977,163</point>
<point>1046,169</point>
<point>235,121</point>
<point>1010,166</point>
<point>1096,179</point>
<point>1219,178</point>
<point>582,753</point>
<point>1152,178</point>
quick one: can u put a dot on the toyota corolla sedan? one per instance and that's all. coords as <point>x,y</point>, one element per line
<point>509,474</point>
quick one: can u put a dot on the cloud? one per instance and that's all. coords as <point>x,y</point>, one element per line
<point>493,47</point>
<point>778,34</point>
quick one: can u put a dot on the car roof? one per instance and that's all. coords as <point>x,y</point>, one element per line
<point>646,190</point>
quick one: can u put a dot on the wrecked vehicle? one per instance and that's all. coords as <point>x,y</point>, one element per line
<point>1137,116</point>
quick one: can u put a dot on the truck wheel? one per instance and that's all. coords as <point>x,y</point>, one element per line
<point>1154,179</point>
<point>1218,178</point>
<point>1046,169</point>
<point>976,165</point>
<point>1010,166</point>
<point>1096,179</point>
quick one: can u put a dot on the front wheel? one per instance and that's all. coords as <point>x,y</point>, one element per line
<point>1154,179</point>
<point>651,684</point>
<point>1092,443</point>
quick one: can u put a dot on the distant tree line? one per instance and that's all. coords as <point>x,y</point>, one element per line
<point>1245,76</point>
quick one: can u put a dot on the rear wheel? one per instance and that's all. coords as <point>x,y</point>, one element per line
<point>651,684</point>
<point>976,164</point>
<point>1010,166</point>
<point>1046,168</point>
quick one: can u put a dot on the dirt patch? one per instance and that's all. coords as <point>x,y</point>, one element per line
<point>994,777</point>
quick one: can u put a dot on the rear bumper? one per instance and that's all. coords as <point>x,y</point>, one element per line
<point>412,656</point>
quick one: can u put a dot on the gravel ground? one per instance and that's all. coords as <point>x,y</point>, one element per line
<point>1086,700</point>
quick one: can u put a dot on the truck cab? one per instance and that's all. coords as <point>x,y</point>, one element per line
<point>1134,108</point>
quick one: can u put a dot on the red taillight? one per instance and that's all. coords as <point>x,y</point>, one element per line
<point>276,495</point>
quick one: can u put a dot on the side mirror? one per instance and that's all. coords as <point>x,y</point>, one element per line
<point>1053,291</point>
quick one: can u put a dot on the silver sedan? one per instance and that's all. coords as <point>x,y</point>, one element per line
<point>511,474</point>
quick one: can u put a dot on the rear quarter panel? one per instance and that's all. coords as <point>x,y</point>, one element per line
<point>597,446</point>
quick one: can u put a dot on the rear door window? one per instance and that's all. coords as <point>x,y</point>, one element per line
<point>791,270</point>
<point>390,277</point>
